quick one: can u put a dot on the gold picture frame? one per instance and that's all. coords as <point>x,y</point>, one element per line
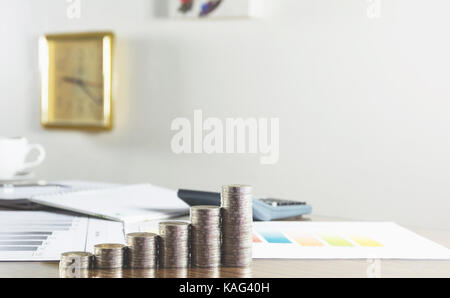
<point>76,80</point>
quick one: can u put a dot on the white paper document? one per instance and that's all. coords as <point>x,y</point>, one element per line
<point>18,196</point>
<point>342,240</point>
<point>26,192</point>
<point>131,203</point>
<point>43,236</point>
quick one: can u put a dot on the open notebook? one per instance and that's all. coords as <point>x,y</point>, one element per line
<point>131,203</point>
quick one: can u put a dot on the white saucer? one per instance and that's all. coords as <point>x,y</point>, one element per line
<point>21,177</point>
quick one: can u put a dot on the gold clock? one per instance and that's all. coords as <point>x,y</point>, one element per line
<point>76,79</point>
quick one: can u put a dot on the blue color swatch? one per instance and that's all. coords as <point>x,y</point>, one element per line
<point>274,237</point>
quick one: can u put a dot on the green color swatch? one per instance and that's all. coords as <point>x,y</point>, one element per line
<point>334,240</point>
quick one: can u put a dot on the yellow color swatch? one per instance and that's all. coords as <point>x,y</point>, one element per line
<point>365,241</point>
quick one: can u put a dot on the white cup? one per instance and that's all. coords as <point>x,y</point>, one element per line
<point>13,156</point>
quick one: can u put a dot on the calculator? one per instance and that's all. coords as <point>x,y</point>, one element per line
<point>264,209</point>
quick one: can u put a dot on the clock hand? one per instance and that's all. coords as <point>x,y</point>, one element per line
<point>97,100</point>
<point>83,85</point>
<point>80,81</point>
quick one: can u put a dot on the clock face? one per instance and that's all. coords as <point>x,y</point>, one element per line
<point>78,86</point>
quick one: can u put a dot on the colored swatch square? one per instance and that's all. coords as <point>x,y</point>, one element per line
<point>365,241</point>
<point>274,237</point>
<point>305,239</point>
<point>256,239</point>
<point>335,240</point>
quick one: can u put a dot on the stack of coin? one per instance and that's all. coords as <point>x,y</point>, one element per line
<point>77,260</point>
<point>110,273</point>
<point>75,264</point>
<point>109,256</point>
<point>142,250</point>
<point>237,221</point>
<point>205,249</point>
<point>142,273</point>
<point>75,273</point>
<point>174,244</point>
<point>174,273</point>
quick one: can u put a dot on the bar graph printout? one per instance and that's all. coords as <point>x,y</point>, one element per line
<point>43,236</point>
<point>342,240</point>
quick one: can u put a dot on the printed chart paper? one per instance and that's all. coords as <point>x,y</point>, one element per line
<point>342,240</point>
<point>43,236</point>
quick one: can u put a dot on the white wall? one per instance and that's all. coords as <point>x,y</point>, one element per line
<point>363,104</point>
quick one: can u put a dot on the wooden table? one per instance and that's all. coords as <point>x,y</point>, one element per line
<point>265,268</point>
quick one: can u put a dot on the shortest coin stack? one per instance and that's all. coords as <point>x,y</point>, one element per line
<point>76,260</point>
<point>205,236</point>
<point>109,256</point>
<point>142,250</point>
<point>174,245</point>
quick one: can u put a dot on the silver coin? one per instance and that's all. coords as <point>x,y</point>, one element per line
<point>173,225</point>
<point>206,247</point>
<point>174,244</point>
<point>211,256</point>
<point>80,254</point>
<point>235,198</point>
<point>205,209</point>
<point>110,246</point>
<point>74,272</point>
<point>230,201</point>
<point>240,188</point>
<point>206,230</point>
<point>240,235</point>
<point>142,236</point>
<point>207,235</point>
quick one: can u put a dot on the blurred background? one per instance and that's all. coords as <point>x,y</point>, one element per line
<point>363,102</point>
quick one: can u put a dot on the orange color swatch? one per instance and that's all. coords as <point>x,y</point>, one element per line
<point>305,239</point>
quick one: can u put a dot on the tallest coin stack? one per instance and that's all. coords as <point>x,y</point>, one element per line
<point>237,222</point>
